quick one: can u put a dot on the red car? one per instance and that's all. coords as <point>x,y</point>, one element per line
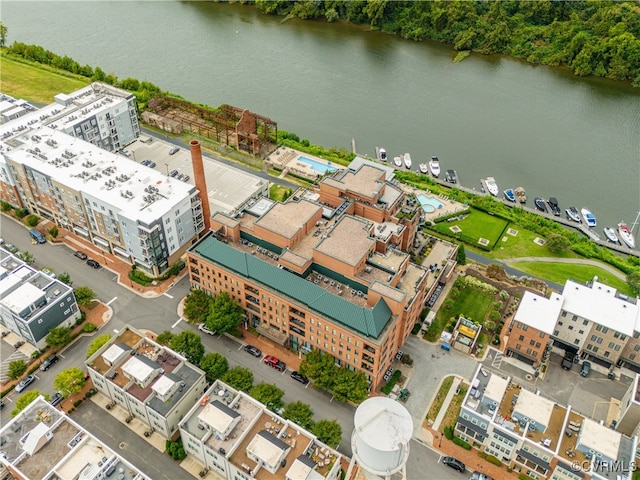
<point>273,362</point>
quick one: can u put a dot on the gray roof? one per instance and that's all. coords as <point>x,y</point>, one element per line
<point>471,426</point>
<point>223,408</point>
<point>275,440</point>
<point>368,321</point>
<point>308,461</point>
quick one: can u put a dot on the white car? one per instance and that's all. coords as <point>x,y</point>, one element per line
<point>125,152</point>
<point>203,328</point>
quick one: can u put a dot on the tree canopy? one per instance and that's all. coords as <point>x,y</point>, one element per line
<point>69,381</point>
<point>197,305</point>
<point>17,368</point>
<point>225,314</point>
<point>25,399</point>
<point>239,378</point>
<point>268,394</point>
<point>214,365</point>
<point>328,431</point>
<point>97,343</point>
<point>590,38</point>
<point>190,345</point>
<point>58,336</point>
<point>164,337</point>
<point>633,280</point>
<point>299,413</point>
<point>84,295</point>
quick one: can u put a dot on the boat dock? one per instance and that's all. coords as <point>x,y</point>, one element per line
<point>595,237</point>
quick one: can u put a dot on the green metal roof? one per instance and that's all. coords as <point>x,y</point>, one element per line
<point>369,322</point>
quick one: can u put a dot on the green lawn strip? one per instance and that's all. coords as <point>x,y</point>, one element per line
<point>470,303</point>
<point>561,272</point>
<point>476,225</point>
<point>439,400</point>
<point>522,245</point>
<point>37,83</point>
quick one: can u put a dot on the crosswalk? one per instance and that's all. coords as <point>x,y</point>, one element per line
<point>497,360</point>
<point>4,366</point>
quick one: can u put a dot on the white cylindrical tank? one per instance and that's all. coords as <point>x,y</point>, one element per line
<point>380,439</point>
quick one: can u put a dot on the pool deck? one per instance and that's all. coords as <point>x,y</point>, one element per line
<point>286,159</point>
<point>449,207</point>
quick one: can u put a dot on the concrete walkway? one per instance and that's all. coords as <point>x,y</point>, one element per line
<point>576,261</point>
<point>445,405</point>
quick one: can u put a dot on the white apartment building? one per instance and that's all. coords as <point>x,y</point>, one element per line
<point>149,381</point>
<point>32,303</point>
<point>42,443</point>
<point>238,438</point>
<point>135,212</point>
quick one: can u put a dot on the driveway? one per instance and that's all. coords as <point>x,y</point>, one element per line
<point>431,365</point>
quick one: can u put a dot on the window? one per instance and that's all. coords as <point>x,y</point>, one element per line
<point>611,344</point>
<point>541,334</point>
<point>598,327</point>
<point>581,332</point>
<point>616,348</point>
<point>525,327</point>
<point>593,338</point>
<point>521,338</point>
<point>606,354</point>
<point>584,322</point>
<point>605,329</point>
<point>616,335</point>
<point>564,314</point>
<point>577,341</point>
<point>574,318</point>
<point>599,340</point>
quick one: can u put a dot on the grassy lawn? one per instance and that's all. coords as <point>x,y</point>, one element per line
<point>522,245</point>
<point>476,225</point>
<point>36,83</point>
<point>278,192</point>
<point>470,303</point>
<point>560,272</point>
<point>451,417</point>
<point>439,400</point>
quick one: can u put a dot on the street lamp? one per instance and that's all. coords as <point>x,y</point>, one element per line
<point>167,165</point>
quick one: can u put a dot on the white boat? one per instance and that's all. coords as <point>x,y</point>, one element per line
<point>434,166</point>
<point>589,218</point>
<point>407,160</point>
<point>491,186</point>
<point>626,235</point>
<point>382,155</point>
<point>423,168</point>
<point>397,161</point>
<point>610,233</point>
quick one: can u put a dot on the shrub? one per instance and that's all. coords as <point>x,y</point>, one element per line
<point>416,328</point>
<point>448,432</point>
<point>89,327</point>
<point>33,220</point>
<point>21,212</point>
<point>494,460</point>
<point>461,443</point>
<point>5,206</point>
<point>53,231</point>
<point>77,402</point>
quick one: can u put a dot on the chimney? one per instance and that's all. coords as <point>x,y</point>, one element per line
<point>201,183</point>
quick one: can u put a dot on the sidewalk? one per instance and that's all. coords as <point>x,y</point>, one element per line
<point>114,264</point>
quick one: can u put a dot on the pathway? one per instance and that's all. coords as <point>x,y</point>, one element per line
<point>577,261</point>
<point>447,400</point>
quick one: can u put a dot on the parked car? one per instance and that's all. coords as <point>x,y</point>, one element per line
<point>1,404</point>
<point>10,247</point>
<point>92,263</point>
<point>174,150</point>
<point>186,178</point>
<point>18,344</point>
<point>299,377</point>
<point>125,152</point>
<point>567,360</point>
<point>454,463</point>
<point>586,368</point>
<point>480,476</point>
<point>252,350</point>
<point>48,362</point>
<point>273,362</point>
<point>173,173</point>
<point>26,381</point>
<point>56,399</point>
<point>203,328</point>
<point>80,255</point>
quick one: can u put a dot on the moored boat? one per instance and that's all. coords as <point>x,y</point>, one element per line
<point>407,160</point>
<point>509,195</point>
<point>423,168</point>
<point>450,176</point>
<point>589,218</point>
<point>540,204</point>
<point>520,195</point>
<point>490,186</point>
<point>573,214</point>
<point>626,235</point>
<point>397,161</point>
<point>553,205</point>
<point>434,166</point>
<point>382,154</point>
<point>610,233</point>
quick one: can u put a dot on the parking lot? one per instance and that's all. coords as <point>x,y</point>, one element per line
<point>157,151</point>
<point>591,396</point>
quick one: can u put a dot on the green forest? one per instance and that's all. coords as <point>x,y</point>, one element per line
<point>600,38</point>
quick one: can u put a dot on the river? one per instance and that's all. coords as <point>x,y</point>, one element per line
<point>577,139</point>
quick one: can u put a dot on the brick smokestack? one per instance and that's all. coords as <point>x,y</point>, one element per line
<point>200,181</point>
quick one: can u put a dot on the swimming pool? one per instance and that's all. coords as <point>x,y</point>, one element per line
<point>316,166</point>
<point>429,204</point>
